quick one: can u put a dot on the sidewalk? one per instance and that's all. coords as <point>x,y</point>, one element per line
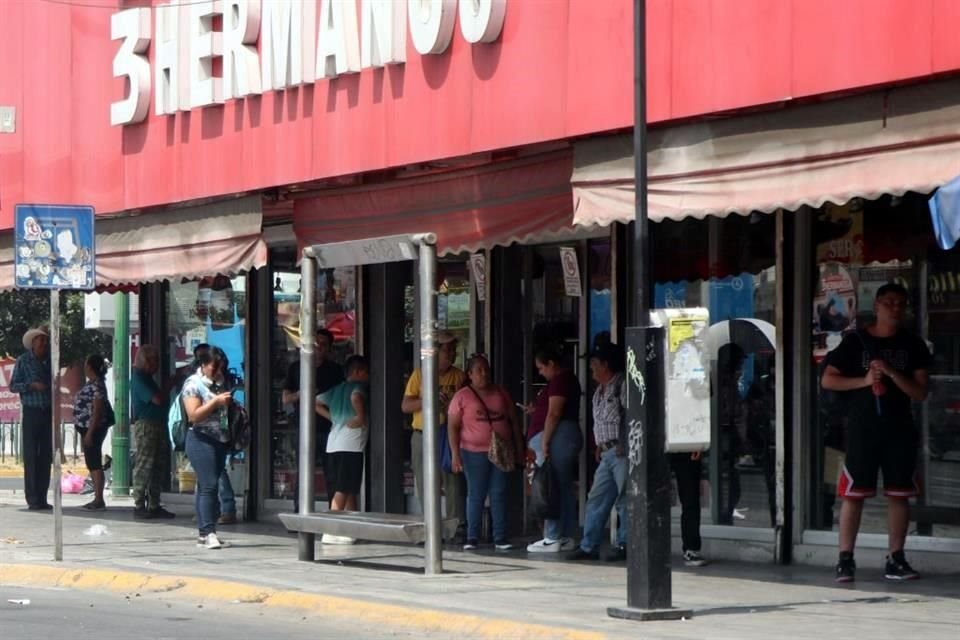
<point>482,595</point>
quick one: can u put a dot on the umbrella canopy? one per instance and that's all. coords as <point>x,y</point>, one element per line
<point>751,335</point>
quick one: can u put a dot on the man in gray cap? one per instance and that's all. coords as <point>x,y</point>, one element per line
<point>32,379</point>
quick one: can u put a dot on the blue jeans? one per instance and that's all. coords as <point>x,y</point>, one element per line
<point>208,458</point>
<point>607,489</point>
<point>483,478</point>
<point>564,452</point>
<point>228,500</point>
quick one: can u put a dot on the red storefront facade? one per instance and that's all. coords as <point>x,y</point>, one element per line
<point>481,139</point>
<point>559,70</point>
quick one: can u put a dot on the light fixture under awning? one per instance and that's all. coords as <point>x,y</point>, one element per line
<point>883,142</point>
<point>494,204</point>
<point>205,240</point>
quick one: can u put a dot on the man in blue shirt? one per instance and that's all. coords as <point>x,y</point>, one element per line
<point>32,379</point>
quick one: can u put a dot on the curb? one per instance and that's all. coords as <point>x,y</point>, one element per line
<point>391,616</point>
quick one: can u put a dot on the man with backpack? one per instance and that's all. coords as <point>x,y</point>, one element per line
<point>880,372</point>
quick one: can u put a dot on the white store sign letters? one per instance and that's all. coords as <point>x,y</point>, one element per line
<point>300,42</point>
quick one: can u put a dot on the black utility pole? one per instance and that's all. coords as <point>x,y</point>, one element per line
<point>649,589</point>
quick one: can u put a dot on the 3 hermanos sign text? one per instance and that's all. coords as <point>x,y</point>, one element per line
<point>300,42</point>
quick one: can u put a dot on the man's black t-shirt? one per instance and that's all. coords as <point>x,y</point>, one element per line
<point>328,375</point>
<point>904,352</point>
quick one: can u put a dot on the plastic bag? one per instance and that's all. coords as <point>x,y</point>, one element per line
<point>444,454</point>
<point>71,483</point>
<point>545,493</point>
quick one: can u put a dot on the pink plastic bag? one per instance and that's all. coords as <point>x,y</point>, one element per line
<point>71,483</point>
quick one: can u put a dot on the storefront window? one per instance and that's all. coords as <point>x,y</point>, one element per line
<point>336,312</point>
<point>556,318</point>
<point>861,246</point>
<point>600,279</point>
<point>453,305</point>
<point>727,266</point>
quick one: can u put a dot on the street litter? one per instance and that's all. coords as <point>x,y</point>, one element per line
<point>71,483</point>
<point>97,531</point>
<point>23,602</point>
<point>11,540</point>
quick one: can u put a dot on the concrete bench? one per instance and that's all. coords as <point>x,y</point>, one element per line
<point>379,527</point>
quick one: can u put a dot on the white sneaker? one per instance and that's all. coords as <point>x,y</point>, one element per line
<point>551,546</point>
<point>212,541</point>
<point>329,538</point>
<point>503,546</point>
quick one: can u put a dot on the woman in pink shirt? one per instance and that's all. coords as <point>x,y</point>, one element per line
<point>477,412</point>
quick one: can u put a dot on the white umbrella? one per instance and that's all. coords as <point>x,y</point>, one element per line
<point>749,334</point>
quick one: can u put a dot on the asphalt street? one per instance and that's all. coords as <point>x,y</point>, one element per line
<point>54,613</point>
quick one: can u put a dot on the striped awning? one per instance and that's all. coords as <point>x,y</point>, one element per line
<point>884,142</point>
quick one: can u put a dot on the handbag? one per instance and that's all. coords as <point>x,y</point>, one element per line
<point>500,453</point>
<point>545,493</point>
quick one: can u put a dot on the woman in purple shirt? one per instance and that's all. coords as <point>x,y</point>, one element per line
<point>554,433</point>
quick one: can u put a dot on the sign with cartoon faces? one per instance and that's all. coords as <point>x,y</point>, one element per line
<point>55,247</point>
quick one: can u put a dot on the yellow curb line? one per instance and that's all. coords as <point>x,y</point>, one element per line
<point>390,615</point>
<point>11,473</point>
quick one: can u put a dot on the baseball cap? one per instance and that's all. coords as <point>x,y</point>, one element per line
<point>608,352</point>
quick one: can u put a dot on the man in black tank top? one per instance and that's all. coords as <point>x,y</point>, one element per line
<point>879,372</point>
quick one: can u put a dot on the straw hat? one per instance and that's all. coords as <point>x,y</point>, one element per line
<point>31,335</point>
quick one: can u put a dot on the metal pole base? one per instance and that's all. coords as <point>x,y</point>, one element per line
<point>649,615</point>
<point>306,547</point>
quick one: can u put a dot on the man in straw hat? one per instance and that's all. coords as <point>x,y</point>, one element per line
<point>450,380</point>
<point>32,380</point>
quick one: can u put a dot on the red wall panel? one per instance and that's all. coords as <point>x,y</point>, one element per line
<point>11,94</point>
<point>561,68</point>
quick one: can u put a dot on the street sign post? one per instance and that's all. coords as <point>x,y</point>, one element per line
<point>649,586</point>
<point>54,249</point>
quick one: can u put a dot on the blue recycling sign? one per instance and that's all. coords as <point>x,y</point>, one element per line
<point>54,246</point>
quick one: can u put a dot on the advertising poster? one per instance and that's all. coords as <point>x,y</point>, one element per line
<point>834,307</point>
<point>839,233</point>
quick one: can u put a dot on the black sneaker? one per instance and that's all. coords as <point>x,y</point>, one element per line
<point>898,569</point>
<point>693,558</point>
<point>580,554</point>
<point>159,513</point>
<point>846,568</point>
<point>140,513</point>
<point>617,554</point>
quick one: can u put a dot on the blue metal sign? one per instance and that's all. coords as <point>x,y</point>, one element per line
<point>54,247</point>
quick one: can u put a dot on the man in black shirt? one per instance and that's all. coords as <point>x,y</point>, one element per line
<point>880,371</point>
<point>328,375</point>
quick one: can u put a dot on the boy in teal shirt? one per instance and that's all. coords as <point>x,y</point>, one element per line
<point>345,405</point>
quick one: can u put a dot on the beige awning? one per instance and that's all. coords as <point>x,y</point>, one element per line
<point>883,142</point>
<point>218,238</point>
